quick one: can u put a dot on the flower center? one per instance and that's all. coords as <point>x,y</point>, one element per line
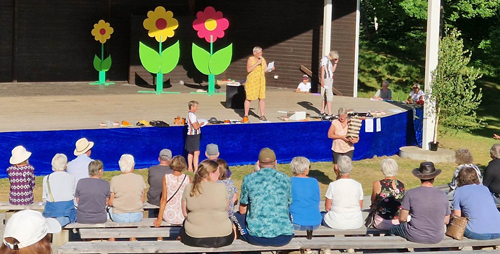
<point>161,24</point>
<point>210,24</point>
<point>102,31</point>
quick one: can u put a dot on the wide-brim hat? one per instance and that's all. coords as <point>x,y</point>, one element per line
<point>82,146</point>
<point>19,154</point>
<point>426,171</point>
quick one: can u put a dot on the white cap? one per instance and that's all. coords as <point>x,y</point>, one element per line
<point>28,227</point>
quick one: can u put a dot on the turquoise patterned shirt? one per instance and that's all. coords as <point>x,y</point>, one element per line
<point>268,194</point>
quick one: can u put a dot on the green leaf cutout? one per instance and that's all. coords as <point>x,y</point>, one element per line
<point>170,58</point>
<point>106,64</point>
<point>150,59</point>
<point>97,63</point>
<point>200,59</point>
<point>221,60</point>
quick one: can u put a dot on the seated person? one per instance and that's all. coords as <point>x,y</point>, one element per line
<point>59,192</point>
<point>212,153</point>
<point>232,191</point>
<point>428,207</point>
<point>492,173</point>
<point>387,195</point>
<point>304,86</point>
<point>384,94</point>
<point>472,200</point>
<point>156,174</point>
<point>127,193</point>
<point>204,204</point>
<point>464,160</point>
<point>92,196</point>
<point>172,191</point>
<point>264,217</point>
<point>416,95</point>
<point>344,199</point>
<point>305,197</point>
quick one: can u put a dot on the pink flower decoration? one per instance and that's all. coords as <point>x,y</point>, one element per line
<point>210,23</point>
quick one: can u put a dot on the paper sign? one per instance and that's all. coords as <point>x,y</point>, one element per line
<point>369,125</point>
<point>270,66</point>
<point>379,125</point>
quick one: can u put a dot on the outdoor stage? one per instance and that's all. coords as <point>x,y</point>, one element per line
<point>48,118</point>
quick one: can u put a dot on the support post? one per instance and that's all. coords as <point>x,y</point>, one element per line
<point>327,27</point>
<point>431,62</point>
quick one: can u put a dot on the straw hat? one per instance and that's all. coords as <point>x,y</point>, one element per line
<point>82,146</point>
<point>19,154</point>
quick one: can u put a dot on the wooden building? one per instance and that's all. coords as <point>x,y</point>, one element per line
<point>44,41</point>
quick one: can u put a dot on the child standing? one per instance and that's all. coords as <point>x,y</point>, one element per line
<point>193,137</point>
<point>21,177</point>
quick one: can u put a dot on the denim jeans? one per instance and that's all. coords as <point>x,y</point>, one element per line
<point>63,220</point>
<point>125,217</point>
<point>478,236</point>
<point>399,230</point>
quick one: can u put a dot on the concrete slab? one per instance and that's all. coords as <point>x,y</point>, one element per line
<point>417,153</point>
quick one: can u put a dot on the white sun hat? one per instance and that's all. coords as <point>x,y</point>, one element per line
<point>19,154</point>
<point>82,146</point>
<point>28,227</point>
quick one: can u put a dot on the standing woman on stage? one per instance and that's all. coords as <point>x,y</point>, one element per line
<point>255,85</point>
<point>341,145</point>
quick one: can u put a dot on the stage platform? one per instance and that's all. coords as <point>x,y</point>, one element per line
<point>49,117</point>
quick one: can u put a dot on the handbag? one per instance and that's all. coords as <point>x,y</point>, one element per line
<point>456,228</point>
<point>370,219</point>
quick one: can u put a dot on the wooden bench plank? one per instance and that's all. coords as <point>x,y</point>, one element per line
<point>104,233</point>
<point>454,252</point>
<point>326,231</point>
<point>6,206</point>
<point>146,222</point>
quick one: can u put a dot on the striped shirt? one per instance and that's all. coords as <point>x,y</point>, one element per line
<point>325,61</point>
<point>192,119</point>
<point>22,183</point>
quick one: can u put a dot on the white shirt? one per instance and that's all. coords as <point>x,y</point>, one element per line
<point>192,119</point>
<point>325,61</point>
<point>345,212</point>
<point>415,97</point>
<point>79,167</point>
<point>304,87</point>
<point>62,186</point>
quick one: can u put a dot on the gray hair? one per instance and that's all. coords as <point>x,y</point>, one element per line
<point>342,111</point>
<point>389,167</point>
<point>334,54</point>
<point>299,165</point>
<point>495,151</point>
<point>256,49</point>
<point>126,163</point>
<point>345,164</point>
<point>94,167</point>
<point>386,82</point>
<point>59,162</point>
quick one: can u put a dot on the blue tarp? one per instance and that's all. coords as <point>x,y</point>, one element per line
<point>238,143</point>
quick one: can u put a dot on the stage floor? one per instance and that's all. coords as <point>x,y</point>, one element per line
<point>70,106</point>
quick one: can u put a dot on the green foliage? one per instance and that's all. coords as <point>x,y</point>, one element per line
<point>102,65</point>
<point>97,63</point>
<point>453,87</point>
<point>170,57</point>
<point>150,59</point>
<point>215,64</point>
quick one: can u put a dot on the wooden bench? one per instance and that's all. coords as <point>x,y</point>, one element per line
<point>173,231</point>
<point>11,209</point>
<point>340,243</point>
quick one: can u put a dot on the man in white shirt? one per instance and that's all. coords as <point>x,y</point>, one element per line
<point>304,86</point>
<point>79,167</point>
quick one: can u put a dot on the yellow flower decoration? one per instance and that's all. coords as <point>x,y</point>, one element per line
<point>102,31</point>
<point>160,24</point>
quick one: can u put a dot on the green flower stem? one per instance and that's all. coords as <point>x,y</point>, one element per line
<point>211,77</point>
<point>159,76</point>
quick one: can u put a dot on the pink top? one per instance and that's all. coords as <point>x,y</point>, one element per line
<point>173,209</point>
<point>339,145</point>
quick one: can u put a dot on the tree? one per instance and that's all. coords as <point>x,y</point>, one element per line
<point>453,87</point>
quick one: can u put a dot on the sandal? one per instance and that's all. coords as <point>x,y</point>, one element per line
<point>263,118</point>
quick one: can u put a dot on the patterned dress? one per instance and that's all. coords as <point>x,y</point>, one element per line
<point>389,199</point>
<point>231,190</point>
<point>255,85</point>
<point>22,183</point>
<point>173,209</point>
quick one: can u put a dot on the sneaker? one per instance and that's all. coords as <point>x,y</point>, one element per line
<point>263,118</point>
<point>245,119</point>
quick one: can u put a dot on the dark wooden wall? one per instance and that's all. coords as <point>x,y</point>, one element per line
<point>54,41</point>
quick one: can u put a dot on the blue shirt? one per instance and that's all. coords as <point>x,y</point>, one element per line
<point>79,167</point>
<point>305,205</point>
<point>268,194</point>
<point>476,203</point>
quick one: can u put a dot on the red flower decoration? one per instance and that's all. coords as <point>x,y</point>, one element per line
<point>210,23</point>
